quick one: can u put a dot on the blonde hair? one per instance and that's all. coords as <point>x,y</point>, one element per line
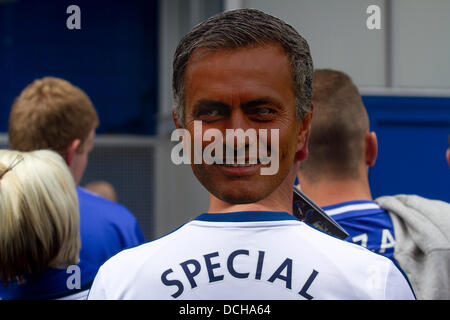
<point>39,215</point>
<point>50,113</point>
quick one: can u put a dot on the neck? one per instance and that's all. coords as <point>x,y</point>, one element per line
<point>279,200</point>
<point>327,192</point>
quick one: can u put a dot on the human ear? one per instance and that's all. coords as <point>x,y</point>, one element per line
<point>370,148</point>
<point>176,121</point>
<point>303,137</point>
<point>71,150</point>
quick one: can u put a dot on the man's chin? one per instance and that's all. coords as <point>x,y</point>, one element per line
<point>235,190</point>
<point>239,196</point>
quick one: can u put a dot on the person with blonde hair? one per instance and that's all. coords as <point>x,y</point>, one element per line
<point>39,229</point>
<point>51,113</point>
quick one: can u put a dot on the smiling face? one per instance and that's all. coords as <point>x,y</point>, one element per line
<point>243,88</point>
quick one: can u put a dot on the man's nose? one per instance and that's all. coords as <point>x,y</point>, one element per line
<point>238,120</point>
<point>239,137</point>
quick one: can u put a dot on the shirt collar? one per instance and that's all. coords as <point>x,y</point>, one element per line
<point>246,216</point>
<point>347,203</point>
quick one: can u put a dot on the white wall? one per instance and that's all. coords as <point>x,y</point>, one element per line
<point>412,50</point>
<point>421,43</point>
<point>337,34</point>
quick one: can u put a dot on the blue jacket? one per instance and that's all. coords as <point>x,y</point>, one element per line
<point>50,284</point>
<point>106,228</point>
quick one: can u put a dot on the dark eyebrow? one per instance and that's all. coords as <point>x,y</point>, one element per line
<point>206,104</point>
<point>259,102</point>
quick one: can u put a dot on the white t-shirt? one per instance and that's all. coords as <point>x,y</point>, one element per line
<point>250,256</point>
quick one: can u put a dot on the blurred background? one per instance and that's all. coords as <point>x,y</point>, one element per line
<point>122,58</point>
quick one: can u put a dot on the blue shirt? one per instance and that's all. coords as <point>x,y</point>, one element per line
<point>106,228</point>
<point>367,225</point>
<point>51,284</point>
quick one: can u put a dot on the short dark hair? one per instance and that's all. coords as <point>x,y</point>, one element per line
<point>338,127</point>
<point>242,28</point>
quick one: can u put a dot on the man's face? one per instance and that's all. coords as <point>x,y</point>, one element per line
<point>243,88</point>
<point>80,158</point>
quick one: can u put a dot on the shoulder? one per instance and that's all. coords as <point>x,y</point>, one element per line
<point>129,268</point>
<point>345,256</point>
<point>89,198</point>
<point>71,282</point>
<point>129,261</point>
<point>341,248</point>
<point>412,201</point>
<point>416,211</point>
<point>91,202</point>
<point>361,269</point>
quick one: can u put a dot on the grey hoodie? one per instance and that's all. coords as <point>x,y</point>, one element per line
<point>422,249</point>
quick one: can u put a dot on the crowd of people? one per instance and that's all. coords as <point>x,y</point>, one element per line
<point>241,69</point>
